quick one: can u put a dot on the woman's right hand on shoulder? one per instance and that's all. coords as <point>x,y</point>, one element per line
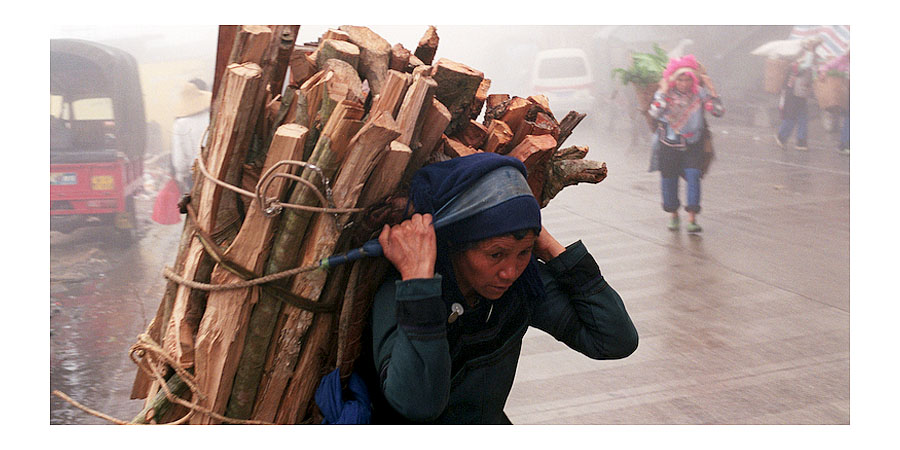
<point>411,246</point>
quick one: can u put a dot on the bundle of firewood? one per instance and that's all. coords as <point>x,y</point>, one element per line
<point>290,175</point>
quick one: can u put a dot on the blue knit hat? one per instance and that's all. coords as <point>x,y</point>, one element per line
<point>436,185</point>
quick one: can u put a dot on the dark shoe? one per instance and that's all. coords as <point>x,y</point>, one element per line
<point>692,227</point>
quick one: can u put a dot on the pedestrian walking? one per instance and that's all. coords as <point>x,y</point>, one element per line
<point>841,64</point>
<point>794,94</point>
<point>446,328</point>
<point>679,107</point>
<point>188,130</point>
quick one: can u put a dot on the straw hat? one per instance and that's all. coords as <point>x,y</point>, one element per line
<point>192,100</point>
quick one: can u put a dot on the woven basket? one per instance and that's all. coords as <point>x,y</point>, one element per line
<point>644,94</point>
<point>833,93</point>
<point>775,75</point>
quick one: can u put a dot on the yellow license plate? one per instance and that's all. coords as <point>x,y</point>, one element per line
<point>102,183</point>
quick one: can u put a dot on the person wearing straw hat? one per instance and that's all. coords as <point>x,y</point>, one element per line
<point>188,130</point>
<point>446,327</point>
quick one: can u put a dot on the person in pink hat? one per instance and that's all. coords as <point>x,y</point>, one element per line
<point>678,106</point>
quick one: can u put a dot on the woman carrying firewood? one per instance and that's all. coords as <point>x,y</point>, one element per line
<point>447,326</point>
<point>681,135</point>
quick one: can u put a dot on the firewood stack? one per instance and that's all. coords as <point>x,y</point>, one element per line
<point>364,114</point>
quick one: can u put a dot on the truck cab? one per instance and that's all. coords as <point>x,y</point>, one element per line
<point>97,137</point>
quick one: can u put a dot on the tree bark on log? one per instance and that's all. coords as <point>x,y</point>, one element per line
<point>283,256</point>
<point>569,172</point>
<point>567,124</point>
<point>318,243</point>
<point>231,130</point>
<point>428,45</point>
<point>334,49</point>
<point>374,55</point>
<point>457,85</point>
<point>221,335</point>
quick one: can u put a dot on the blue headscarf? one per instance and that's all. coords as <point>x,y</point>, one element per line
<point>436,184</point>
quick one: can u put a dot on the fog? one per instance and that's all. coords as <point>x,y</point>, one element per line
<point>170,55</point>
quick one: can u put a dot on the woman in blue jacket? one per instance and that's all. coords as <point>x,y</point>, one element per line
<point>447,327</point>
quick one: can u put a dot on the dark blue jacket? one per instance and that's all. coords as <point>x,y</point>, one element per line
<point>423,369</point>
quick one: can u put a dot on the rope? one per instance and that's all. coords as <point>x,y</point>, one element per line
<point>251,278</point>
<point>271,206</point>
<point>146,347</point>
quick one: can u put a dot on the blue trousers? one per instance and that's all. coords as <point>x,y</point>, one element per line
<point>675,164</point>
<point>794,113</point>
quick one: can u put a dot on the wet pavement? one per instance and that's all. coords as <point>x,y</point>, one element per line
<point>745,323</point>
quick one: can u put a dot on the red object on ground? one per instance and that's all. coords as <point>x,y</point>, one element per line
<point>165,210</point>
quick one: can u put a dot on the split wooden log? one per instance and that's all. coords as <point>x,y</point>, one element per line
<point>384,180</point>
<point>480,97</point>
<point>420,93</point>
<point>335,49</point>
<point>498,137</point>
<point>220,337</point>
<point>283,256</point>
<point>319,242</point>
<point>435,119</point>
<point>391,97</point>
<point>536,123</point>
<point>457,85</point>
<point>454,148</point>
<point>535,152</point>
<point>301,67</point>
<point>567,124</point>
<point>374,55</point>
<point>399,58</point>
<point>428,45</point>
<point>336,34</point>
<point>239,86</point>
<point>513,112</point>
<point>473,134</point>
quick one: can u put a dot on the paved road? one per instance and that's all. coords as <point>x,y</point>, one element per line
<point>745,323</point>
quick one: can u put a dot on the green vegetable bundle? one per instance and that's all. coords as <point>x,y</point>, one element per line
<point>646,68</point>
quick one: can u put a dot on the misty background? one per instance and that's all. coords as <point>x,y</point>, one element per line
<point>170,55</point>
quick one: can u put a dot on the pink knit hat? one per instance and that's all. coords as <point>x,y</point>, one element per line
<point>677,66</point>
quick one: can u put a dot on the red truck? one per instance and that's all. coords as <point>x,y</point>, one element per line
<point>97,137</point>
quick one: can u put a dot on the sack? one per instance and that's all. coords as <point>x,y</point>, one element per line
<point>775,75</point>
<point>165,209</point>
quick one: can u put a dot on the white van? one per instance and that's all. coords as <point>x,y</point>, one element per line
<point>564,75</point>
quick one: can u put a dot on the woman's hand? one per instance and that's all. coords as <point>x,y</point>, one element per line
<point>547,247</point>
<point>411,246</point>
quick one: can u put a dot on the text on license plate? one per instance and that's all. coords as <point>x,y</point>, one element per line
<point>102,183</point>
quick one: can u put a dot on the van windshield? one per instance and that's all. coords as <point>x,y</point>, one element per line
<point>566,67</point>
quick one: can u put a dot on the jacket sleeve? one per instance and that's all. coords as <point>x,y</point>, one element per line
<point>581,309</point>
<point>410,349</point>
